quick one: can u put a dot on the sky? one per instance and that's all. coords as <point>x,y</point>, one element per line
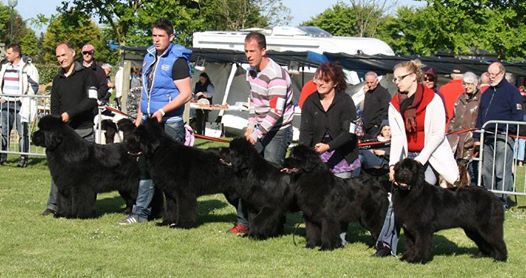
<point>301,10</point>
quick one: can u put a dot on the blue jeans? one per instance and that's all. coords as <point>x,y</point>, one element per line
<point>10,118</point>
<point>174,128</point>
<point>273,146</point>
<point>500,178</point>
<point>88,135</point>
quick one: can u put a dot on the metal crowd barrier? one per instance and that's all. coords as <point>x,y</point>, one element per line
<point>500,165</point>
<point>38,105</point>
<point>34,108</point>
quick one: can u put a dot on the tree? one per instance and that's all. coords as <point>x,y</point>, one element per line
<point>360,19</point>
<point>77,33</point>
<point>459,27</point>
<point>16,28</point>
<point>130,20</point>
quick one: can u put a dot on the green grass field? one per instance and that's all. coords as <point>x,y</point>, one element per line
<point>36,246</point>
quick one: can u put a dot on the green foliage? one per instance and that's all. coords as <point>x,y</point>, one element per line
<point>47,71</point>
<point>344,20</point>
<point>459,27</point>
<point>36,246</point>
<point>77,30</point>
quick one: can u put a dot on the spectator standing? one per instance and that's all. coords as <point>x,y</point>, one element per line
<point>107,71</point>
<point>19,77</point>
<point>88,61</point>
<point>452,90</point>
<point>431,79</point>
<point>501,101</point>
<point>166,89</point>
<point>74,99</point>
<point>484,82</point>
<point>119,81</point>
<point>204,89</point>
<point>417,120</point>
<point>465,117</point>
<point>375,105</point>
<point>271,110</point>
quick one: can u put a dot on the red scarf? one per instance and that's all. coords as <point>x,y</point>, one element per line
<point>408,107</point>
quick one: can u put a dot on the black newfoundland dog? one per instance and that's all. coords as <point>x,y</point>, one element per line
<point>422,209</point>
<point>330,203</point>
<point>264,189</point>
<point>81,169</point>
<point>182,173</point>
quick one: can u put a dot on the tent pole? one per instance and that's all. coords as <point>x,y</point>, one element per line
<point>228,86</point>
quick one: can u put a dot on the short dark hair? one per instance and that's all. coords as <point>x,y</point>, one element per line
<point>164,24</point>
<point>332,72</point>
<point>260,39</point>
<point>67,44</point>
<point>16,48</point>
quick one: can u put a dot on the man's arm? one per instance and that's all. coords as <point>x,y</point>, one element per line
<point>185,95</point>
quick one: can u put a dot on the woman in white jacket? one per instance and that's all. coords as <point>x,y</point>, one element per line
<point>418,123</point>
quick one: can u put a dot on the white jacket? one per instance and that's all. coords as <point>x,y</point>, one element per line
<point>29,79</point>
<point>436,147</point>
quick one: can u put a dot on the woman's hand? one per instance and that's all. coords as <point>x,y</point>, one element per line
<point>321,147</point>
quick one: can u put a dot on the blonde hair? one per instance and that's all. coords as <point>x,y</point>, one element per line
<point>414,66</point>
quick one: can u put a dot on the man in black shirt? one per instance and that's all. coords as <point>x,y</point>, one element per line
<point>73,98</point>
<point>88,61</point>
<point>375,105</point>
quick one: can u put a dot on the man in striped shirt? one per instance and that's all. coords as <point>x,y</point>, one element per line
<point>271,109</point>
<point>18,78</point>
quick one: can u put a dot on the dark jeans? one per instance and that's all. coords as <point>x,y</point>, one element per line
<point>273,147</point>
<point>11,118</point>
<point>89,136</point>
<point>174,128</point>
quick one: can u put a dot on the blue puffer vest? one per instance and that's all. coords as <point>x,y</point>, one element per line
<point>163,90</point>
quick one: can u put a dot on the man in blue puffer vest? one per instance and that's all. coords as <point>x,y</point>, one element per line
<point>165,90</point>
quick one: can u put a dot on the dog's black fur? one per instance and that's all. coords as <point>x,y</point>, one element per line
<point>329,203</point>
<point>126,126</point>
<point>182,173</point>
<point>263,188</point>
<point>422,209</point>
<point>81,169</point>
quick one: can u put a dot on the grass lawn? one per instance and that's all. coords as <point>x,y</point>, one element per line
<point>36,246</point>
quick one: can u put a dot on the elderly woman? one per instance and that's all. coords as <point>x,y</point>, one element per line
<point>466,111</point>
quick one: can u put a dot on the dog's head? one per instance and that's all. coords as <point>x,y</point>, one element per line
<point>239,153</point>
<point>51,132</point>
<point>304,158</point>
<point>409,173</point>
<point>126,126</point>
<point>145,138</point>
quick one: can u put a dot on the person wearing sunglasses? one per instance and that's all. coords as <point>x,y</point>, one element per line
<point>431,78</point>
<point>88,61</point>
<point>464,118</point>
<point>418,121</point>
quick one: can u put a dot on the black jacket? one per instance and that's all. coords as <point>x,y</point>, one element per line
<point>375,106</point>
<point>102,80</point>
<point>336,121</point>
<point>70,94</point>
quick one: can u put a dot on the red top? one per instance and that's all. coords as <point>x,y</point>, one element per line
<point>450,93</point>
<point>307,90</point>
<point>415,140</point>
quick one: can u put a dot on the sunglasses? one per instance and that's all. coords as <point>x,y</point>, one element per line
<point>429,79</point>
<point>87,52</point>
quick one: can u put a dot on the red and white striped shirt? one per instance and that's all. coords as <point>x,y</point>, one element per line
<point>271,106</point>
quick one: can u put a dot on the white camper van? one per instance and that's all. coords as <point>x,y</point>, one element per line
<point>280,39</point>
